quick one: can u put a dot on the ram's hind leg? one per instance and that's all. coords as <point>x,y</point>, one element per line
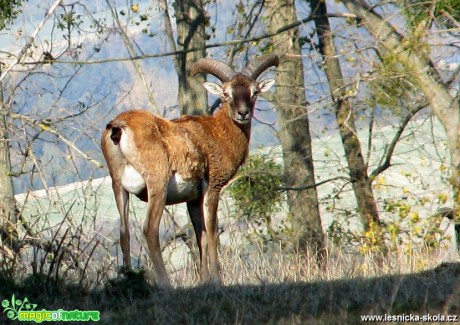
<point>122,200</point>
<point>156,203</point>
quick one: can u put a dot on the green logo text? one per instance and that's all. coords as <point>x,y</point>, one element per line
<point>24,310</point>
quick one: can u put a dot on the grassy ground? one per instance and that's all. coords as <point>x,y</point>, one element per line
<point>261,290</point>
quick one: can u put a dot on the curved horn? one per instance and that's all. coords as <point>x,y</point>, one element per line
<point>259,65</point>
<point>214,67</point>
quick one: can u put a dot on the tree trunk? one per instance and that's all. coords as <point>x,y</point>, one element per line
<point>362,185</point>
<point>294,133</point>
<point>445,106</point>
<point>191,20</point>
<point>8,211</point>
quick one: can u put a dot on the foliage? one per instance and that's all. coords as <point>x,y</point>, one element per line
<point>9,10</point>
<point>393,86</point>
<point>256,189</point>
<point>402,231</point>
<point>257,196</point>
<point>420,13</point>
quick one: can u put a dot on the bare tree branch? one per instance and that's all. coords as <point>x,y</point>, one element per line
<point>132,53</point>
<point>30,40</point>
<point>169,30</point>
<point>207,46</point>
<point>251,21</point>
<point>385,162</point>
<point>306,187</point>
<point>49,128</point>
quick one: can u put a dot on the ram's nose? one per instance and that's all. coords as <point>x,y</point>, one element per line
<point>243,115</point>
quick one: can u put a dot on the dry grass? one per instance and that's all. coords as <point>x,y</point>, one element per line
<point>265,289</point>
<point>261,268</point>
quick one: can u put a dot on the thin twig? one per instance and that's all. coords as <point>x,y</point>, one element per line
<point>207,46</point>
<point>45,126</point>
<point>386,159</point>
<point>30,40</point>
<point>310,186</point>
<point>132,53</point>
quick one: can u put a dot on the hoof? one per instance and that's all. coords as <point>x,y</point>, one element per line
<point>130,272</point>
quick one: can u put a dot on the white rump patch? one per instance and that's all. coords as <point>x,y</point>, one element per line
<point>132,181</point>
<point>127,145</point>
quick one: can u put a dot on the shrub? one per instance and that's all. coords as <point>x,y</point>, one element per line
<point>257,196</point>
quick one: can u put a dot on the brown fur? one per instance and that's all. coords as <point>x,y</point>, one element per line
<point>188,160</point>
<point>194,146</point>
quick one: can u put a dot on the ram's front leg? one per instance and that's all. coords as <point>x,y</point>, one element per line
<point>210,205</point>
<point>195,210</point>
<point>156,203</point>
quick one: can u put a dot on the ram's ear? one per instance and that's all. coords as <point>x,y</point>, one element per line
<point>213,88</point>
<point>266,84</point>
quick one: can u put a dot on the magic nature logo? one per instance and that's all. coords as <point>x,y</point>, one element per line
<point>24,310</point>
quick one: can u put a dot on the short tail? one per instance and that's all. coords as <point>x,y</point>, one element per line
<point>116,126</point>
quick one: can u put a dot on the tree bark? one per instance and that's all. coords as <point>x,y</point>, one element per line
<point>191,21</point>
<point>8,211</point>
<point>445,106</point>
<point>290,101</point>
<point>362,185</point>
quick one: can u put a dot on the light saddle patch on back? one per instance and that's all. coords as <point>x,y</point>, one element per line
<point>179,189</point>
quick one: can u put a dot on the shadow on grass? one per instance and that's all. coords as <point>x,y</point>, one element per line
<point>130,300</point>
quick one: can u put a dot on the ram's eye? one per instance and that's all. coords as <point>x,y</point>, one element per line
<point>226,95</point>
<point>255,94</point>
